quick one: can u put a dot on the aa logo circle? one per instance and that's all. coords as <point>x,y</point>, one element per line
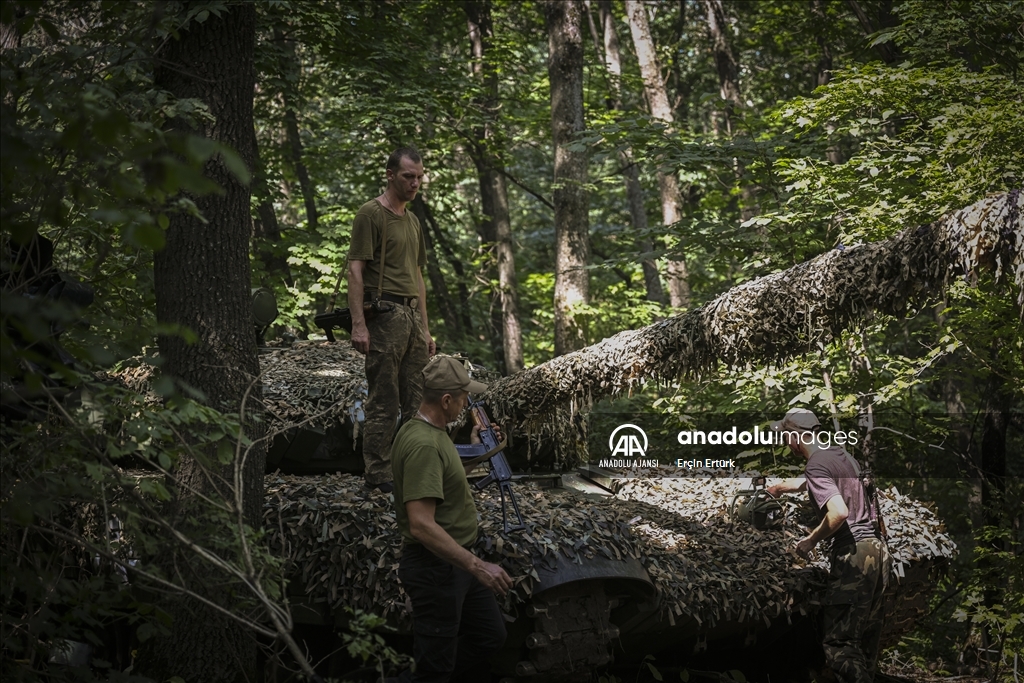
<point>626,441</point>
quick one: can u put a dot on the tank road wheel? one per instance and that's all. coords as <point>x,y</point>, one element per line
<point>572,632</point>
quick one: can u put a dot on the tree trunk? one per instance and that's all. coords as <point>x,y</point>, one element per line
<point>497,224</point>
<point>266,234</point>
<point>267,238</point>
<point>887,51</point>
<point>464,323</point>
<point>572,238</point>
<point>729,90</point>
<point>630,172</point>
<point>202,283</point>
<point>657,100</point>
<point>437,282</point>
<point>291,127</point>
<point>824,67</point>
<point>725,63</point>
<point>823,296</point>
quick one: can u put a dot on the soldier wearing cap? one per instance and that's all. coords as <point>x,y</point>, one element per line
<point>860,562</point>
<point>457,625</point>
<point>397,343</point>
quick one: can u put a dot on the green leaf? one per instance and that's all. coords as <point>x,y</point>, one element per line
<point>234,163</point>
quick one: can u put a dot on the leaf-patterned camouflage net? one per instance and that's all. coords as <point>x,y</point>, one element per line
<point>772,318</point>
<point>344,546</point>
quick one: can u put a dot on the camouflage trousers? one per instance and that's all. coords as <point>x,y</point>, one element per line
<point>394,378</point>
<point>853,609</point>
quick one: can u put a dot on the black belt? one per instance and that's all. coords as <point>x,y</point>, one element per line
<point>410,301</point>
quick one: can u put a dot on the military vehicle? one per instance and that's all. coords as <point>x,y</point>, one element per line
<point>658,562</point>
<point>603,572</point>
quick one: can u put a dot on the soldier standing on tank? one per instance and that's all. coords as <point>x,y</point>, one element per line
<point>860,561</point>
<point>397,342</point>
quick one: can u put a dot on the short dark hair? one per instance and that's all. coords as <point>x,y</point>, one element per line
<point>434,396</point>
<point>396,157</point>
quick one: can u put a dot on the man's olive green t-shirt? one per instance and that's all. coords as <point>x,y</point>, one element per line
<point>406,250</point>
<point>426,465</point>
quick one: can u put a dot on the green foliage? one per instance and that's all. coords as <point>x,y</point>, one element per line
<point>363,642</point>
<point>86,541</point>
<point>90,162</point>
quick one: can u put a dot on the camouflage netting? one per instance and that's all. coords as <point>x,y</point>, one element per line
<point>344,546</point>
<point>775,317</point>
<point>312,380</point>
<point>314,383</point>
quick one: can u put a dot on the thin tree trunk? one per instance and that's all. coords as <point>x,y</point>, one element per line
<point>824,71</point>
<point>291,127</point>
<point>202,283</point>
<point>657,100</point>
<point>497,224</point>
<point>824,67</point>
<point>630,172</point>
<point>572,231</point>
<point>438,286</point>
<point>267,238</point>
<point>430,225</point>
<point>266,234</point>
<point>727,66</point>
<point>886,51</point>
<point>998,406</point>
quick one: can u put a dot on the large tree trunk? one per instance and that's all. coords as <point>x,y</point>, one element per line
<point>630,172</point>
<point>668,183</point>
<point>572,231</point>
<point>202,283</point>
<point>775,317</point>
<point>497,225</point>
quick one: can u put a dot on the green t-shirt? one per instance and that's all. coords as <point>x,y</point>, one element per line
<point>406,253</point>
<point>426,465</point>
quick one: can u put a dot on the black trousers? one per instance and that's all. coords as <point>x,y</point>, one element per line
<point>457,624</point>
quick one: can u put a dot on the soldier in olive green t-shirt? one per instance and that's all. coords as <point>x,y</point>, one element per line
<point>397,342</point>
<point>426,465</point>
<point>457,625</point>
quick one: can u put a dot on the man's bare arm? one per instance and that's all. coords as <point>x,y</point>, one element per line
<point>794,485</point>
<point>360,334</point>
<point>426,530</point>
<point>836,513</point>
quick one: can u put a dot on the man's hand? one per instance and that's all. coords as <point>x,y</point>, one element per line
<point>431,346</point>
<point>493,576</point>
<point>360,337</point>
<point>474,436</point>
<point>804,547</point>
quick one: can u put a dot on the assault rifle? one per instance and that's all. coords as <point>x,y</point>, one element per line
<point>491,450</point>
